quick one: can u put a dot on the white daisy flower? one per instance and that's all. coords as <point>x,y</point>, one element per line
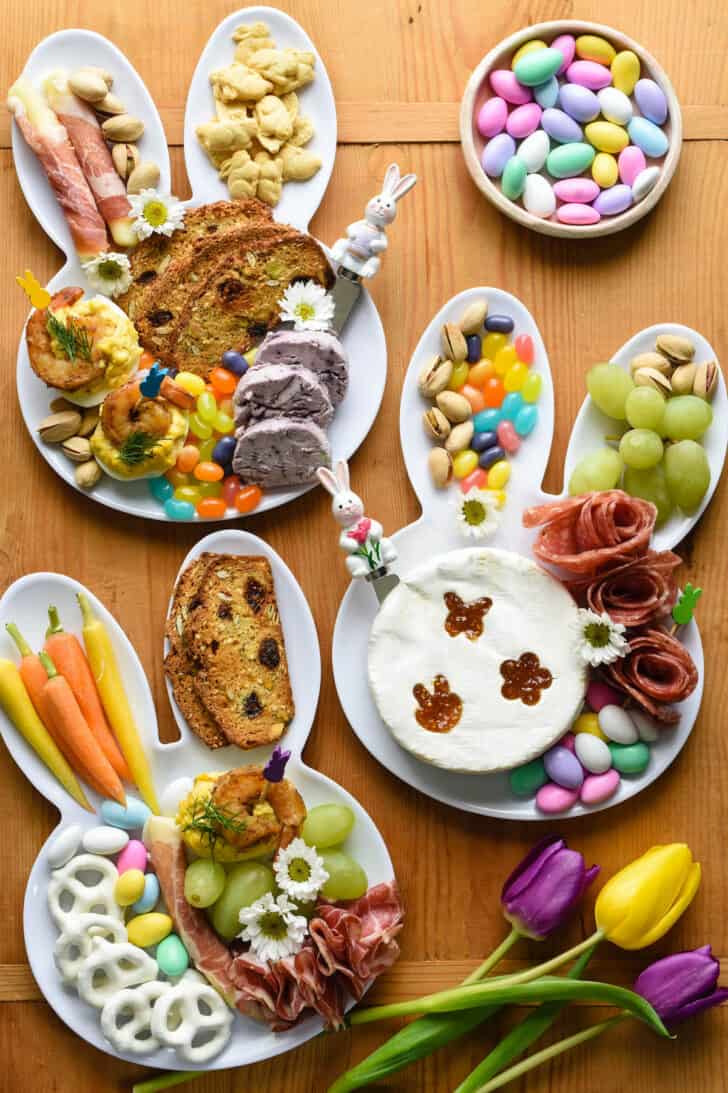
<point>272,927</point>
<point>601,641</point>
<point>478,513</point>
<point>307,305</point>
<point>153,212</point>
<point>300,871</point>
<point>109,273</point>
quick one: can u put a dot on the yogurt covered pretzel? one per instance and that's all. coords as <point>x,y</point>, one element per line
<point>177,1019</point>
<point>70,894</point>
<point>134,1006</point>
<point>75,942</point>
<point>120,964</point>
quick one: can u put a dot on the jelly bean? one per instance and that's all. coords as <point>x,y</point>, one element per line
<point>480,372</point>
<point>513,180</point>
<point>248,499</point>
<point>537,67</point>
<point>630,758</point>
<point>226,406</point>
<point>211,508</point>
<point>644,183</point>
<point>560,126</point>
<point>475,347</point>
<point>189,494</point>
<point>588,723</point>
<point>148,930</point>
<point>486,421</point>
<point>553,799</point>
<point>206,449</point>
<point>223,380</point>
<point>63,846</point>
<point>474,396</point>
<point>234,362</point>
<point>206,407</point>
<point>188,458</point>
<point>172,957</point>
<point>614,200</point>
<point>651,101</point>
<point>604,170</point>
<point>577,214</point>
<point>617,725</point>
<point>512,405</point>
<point>105,840</point>
<point>615,105</point>
<point>525,420</point>
<point>606,136</point>
<point>563,767</point>
<point>493,392</point>
<point>591,47</point>
<point>464,463</point>
<point>499,473</point>
<point>496,154</point>
<point>598,788</point>
<point>199,428</point>
<point>538,197</point>
<point>524,348</point>
<point>223,423</point>
<point>488,458</point>
<point>230,490</point>
<point>589,74</point>
<point>531,389</point>
<point>578,102</point>
<point>528,779</point>
<point>569,159</point>
<point>223,450</point>
<point>505,84</point>
<point>498,324</point>
<point>524,120</point>
<point>534,149</point>
<point>576,189</point>
<point>178,510</point>
<point>592,753</point>
<point>133,856</point>
<point>492,343</point>
<point>459,376</point>
<point>631,162</point>
<point>508,438</point>
<point>625,69</point>
<point>646,727</point>
<point>547,94</point>
<point>648,136</point>
<point>131,817</point>
<point>210,489</point>
<point>484,440</point>
<point>504,360</point>
<point>188,381</point>
<point>129,887</point>
<point>566,45</point>
<point>160,488</point>
<point>600,694</point>
<point>527,47</point>
<point>149,897</point>
<point>492,117</point>
<point>208,472</point>
<point>515,377</point>
<point>477,480</point>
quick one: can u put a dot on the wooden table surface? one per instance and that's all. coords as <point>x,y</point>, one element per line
<point>399,68</point>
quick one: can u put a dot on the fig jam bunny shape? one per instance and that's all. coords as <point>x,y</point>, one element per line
<point>439,711</point>
<point>466,618</point>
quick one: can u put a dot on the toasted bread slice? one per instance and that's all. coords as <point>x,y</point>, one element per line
<point>181,675</point>
<point>184,592</point>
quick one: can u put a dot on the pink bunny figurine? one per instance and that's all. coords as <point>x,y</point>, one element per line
<point>361,537</point>
<point>367,238</point>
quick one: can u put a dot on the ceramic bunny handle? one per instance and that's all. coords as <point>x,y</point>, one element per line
<point>368,552</point>
<point>367,239</point>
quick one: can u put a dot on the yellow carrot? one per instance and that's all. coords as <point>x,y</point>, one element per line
<point>16,703</point>
<point>113,696</point>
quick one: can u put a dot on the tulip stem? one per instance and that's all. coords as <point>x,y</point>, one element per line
<point>555,962</point>
<point>497,955</point>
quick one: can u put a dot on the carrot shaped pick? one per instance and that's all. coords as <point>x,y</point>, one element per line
<point>67,654</point>
<point>90,761</point>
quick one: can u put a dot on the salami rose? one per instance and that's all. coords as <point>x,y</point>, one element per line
<point>635,593</point>
<point>587,534</point>
<point>657,671</point>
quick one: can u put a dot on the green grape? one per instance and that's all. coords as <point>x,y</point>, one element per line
<point>651,486</point>
<point>204,882</point>
<point>347,879</point>
<point>246,882</point>
<point>599,470</point>
<point>609,385</point>
<point>686,418</point>
<point>645,408</point>
<point>640,448</point>
<point>687,474</point>
<point>327,825</point>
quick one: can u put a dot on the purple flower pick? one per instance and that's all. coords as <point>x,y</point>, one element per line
<point>275,768</point>
<point>682,985</point>
<point>152,382</point>
<point>543,890</point>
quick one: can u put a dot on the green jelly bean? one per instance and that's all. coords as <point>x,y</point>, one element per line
<point>528,779</point>
<point>172,957</point>
<point>513,179</point>
<point>570,159</point>
<point>630,758</point>
<point>538,67</point>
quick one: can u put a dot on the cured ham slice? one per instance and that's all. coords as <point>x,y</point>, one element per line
<point>587,534</point>
<point>634,594</point>
<point>657,671</point>
<point>45,135</point>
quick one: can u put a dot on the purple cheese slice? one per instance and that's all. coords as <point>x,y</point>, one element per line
<point>318,350</point>
<point>278,390</point>
<point>280,452</point>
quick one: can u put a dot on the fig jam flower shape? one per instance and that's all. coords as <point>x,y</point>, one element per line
<point>682,985</point>
<point>543,890</point>
<point>525,678</point>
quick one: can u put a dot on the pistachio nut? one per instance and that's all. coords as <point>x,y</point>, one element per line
<point>455,407</point>
<point>676,348</point>
<point>125,158</point>
<point>87,474</point>
<point>436,424</point>
<point>459,438</point>
<point>650,360</point>
<point>96,71</point>
<point>59,404</point>
<point>89,421</point>
<point>110,105</point>
<point>434,377</point>
<point>77,449</point>
<point>145,176</point>
<point>440,465</point>
<point>706,380</point>
<point>683,378</point>
<point>88,85</point>
<point>122,127</point>
<point>473,317</point>
<point>59,426</point>
<point>650,377</point>
<point>454,345</point>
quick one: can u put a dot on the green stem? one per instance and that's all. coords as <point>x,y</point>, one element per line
<point>550,1052</point>
<point>48,665</point>
<point>86,612</point>
<point>23,647</point>
<point>153,1085</point>
<point>56,626</point>
<point>495,957</point>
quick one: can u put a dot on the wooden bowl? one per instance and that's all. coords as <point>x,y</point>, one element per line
<point>478,90</point>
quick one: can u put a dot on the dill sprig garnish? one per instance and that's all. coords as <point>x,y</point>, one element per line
<point>137,446</point>
<point>72,337</point>
<point>208,820</point>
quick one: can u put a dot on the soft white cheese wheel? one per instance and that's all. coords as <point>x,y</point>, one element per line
<point>408,645</point>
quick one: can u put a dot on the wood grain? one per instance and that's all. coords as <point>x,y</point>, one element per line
<point>397,69</point>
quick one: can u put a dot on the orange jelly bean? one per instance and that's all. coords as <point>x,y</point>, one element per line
<point>477,480</point>
<point>480,372</point>
<point>177,478</point>
<point>248,499</point>
<point>223,381</point>
<point>494,392</point>
<point>211,508</point>
<point>474,397</point>
<point>188,458</point>
<point>524,348</point>
<point>208,472</point>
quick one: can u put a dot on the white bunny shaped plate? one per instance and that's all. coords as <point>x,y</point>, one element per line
<point>26,603</point>
<point>356,668</point>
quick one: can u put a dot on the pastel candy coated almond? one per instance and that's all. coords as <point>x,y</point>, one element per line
<point>496,154</point>
<point>646,727</point>
<point>600,694</point>
<point>648,136</point>
<point>527,47</point>
<point>605,171</point>
<point>580,190</point>
<point>64,846</point>
<point>528,779</point>
<point>615,105</point>
<point>597,788</point>
<point>631,161</point>
<point>568,740</point>
<point>591,47</point>
<point>589,723</point>
<point>538,66</point>
<point>505,84</point>
<point>566,45</point>
<point>538,196</point>
<point>606,136</point>
<point>547,94</point>
<point>651,101</point>
<point>133,856</point>
<point>563,767</point>
<point>131,817</point>
<point>625,69</point>
<point>589,74</point>
<point>645,182</point>
<point>492,117</point>
<point>524,120</point>
<point>593,754</point>
<point>579,102</point>
<point>615,200</point>
<point>617,725</point>
<point>569,159</point>
<point>149,897</point>
<point>105,840</point>
<point>560,126</point>
<point>630,758</point>
<point>514,178</point>
<point>553,799</point>
<point>577,213</point>
<point>534,150</point>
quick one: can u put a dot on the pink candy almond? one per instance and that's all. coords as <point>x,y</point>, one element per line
<point>553,799</point>
<point>631,161</point>
<point>524,120</point>
<point>597,788</point>
<point>589,74</point>
<point>580,190</point>
<point>566,45</point>
<point>492,117</point>
<point>600,694</point>
<point>576,213</point>
<point>505,84</point>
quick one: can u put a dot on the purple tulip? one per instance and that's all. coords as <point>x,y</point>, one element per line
<point>275,768</point>
<point>544,888</point>
<point>682,985</point>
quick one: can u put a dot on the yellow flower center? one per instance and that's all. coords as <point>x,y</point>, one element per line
<point>109,269</point>
<point>474,512</point>
<point>304,311</point>
<point>597,634</point>
<point>273,925</point>
<point>299,869</point>
<point>155,213</point>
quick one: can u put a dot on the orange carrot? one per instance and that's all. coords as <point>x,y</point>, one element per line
<point>35,677</point>
<point>70,660</point>
<point>89,759</point>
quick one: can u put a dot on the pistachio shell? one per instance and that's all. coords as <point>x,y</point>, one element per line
<point>436,424</point>
<point>650,377</point>
<point>59,426</point>
<point>111,105</point>
<point>455,407</point>
<point>706,380</point>
<point>122,127</point>
<point>125,158</point>
<point>145,176</point>
<point>682,379</point>
<point>89,421</point>
<point>454,345</point>
<point>650,360</point>
<point>59,404</point>
<point>77,449</point>
<point>434,377</point>
<point>105,76</point>
<point>87,474</point>
<point>460,437</point>
<point>88,85</point>
<point>474,317</point>
<point>676,348</point>
<point>440,465</point>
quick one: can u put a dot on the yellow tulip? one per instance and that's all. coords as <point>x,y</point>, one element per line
<point>640,903</point>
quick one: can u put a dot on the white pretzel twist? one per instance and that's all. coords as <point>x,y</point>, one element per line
<point>110,967</point>
<point>67,884</point>
<point>136,1004</point>
<point>74,944</point>
<point>177,1019</point>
